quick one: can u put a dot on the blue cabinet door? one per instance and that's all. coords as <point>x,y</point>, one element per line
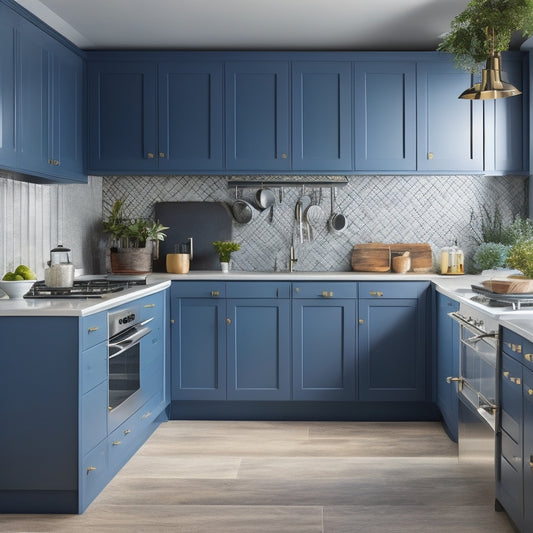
<point>123,116</point>
<point>323,344</point>
<point>505,125</point>
<point>190,115</point>
<point>8,38</point>
<point>385,116</point>
<point>321,115</point>
<point>257,115</point>
<point>528,449</point>
<point>198,337</point>
<point>392,355</point>
<point>447,343</point>
<point>450,130</point>
<point>34,126</point>
<point>68,126</point>
<point>258,349</point>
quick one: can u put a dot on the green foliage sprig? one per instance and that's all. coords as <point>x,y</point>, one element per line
<point>521,257</point>
<point>131,233</point>
<point>485,28</point>
<point>225,249</point>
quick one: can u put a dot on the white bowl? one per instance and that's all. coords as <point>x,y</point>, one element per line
<point>16,289</point>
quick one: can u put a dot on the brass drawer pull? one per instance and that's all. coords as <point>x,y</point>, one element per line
<point>379,294</point>
<point>116,442</point>
<point>528,357</point>
<point>530,391</point>
<point>146,415</point>
<point>215,293</point>
<point>516,381</point>
<point>90,469</point>
<point>506,374</point>
<point>327,294</point>
<point>531,461</point>
<point>150,155</point>
<point>149,305</point>
<point>93,329</point>
<point>127,431</point>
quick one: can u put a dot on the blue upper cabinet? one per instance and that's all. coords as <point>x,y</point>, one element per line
<point>450,130</point>
<point>190,115</point>
<point>257,115</point>
<point>8,37</point>
<point>321,115</point>
<point>385,116</point>
<point>505,127</point>
<point>122,116</point>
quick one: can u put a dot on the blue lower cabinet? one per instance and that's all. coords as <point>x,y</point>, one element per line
<point>392,343</point>
<point>528,449</point>
<point>323,344</point>
<point>198,348</point>
<point>93,474</point>
<point>447,348</point>
<point>258,349</point>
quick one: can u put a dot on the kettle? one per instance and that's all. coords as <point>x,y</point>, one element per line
<point>61,270</point>
<point>452,260</point>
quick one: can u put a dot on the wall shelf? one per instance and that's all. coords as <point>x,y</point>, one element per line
<point>287,181</point>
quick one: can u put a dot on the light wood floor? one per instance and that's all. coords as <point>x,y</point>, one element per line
<point>194,476</point>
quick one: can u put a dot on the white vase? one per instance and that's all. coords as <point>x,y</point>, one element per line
<point>224,266</point>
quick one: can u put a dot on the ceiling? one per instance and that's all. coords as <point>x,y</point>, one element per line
<point>250,24</point>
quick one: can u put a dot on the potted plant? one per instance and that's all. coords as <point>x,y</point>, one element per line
<point>132,241</point>
<point>480,34</point>
<point>225,249</point>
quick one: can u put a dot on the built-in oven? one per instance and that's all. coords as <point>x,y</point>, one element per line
<point>126,332</point>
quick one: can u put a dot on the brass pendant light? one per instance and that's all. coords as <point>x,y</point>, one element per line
<point>491,87</point>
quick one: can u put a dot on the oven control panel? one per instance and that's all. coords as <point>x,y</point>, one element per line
<point>121,320</point>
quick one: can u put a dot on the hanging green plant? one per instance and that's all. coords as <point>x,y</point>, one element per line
<point>484,29</point>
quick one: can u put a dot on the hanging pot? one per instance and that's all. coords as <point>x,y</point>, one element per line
<point>241,209</point>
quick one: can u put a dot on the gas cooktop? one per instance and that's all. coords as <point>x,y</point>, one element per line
<point>87,288</point>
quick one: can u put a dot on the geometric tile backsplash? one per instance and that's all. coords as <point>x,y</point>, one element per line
<point>390,209</point>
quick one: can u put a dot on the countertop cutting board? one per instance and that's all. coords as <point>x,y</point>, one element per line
<point>205,222</point>
<point>377,256</point>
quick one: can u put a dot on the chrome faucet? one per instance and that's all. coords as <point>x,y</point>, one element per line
<point>292,259</point>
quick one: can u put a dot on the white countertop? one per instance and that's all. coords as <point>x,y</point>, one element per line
<point>77,306</point>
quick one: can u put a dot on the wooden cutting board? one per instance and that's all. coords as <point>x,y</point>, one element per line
<point>371,257</point>
<point>420,253</point>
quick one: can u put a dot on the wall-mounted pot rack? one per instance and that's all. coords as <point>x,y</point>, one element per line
<point>287,181</point>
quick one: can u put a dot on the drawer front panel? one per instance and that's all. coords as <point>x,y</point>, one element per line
<point>512,452</point>
<point>324,289</point>
<point>198,289</point>
<point>94,417</point>
<point>517,347</point>
<point>391,289</point>
<point>93,474</point>
<point>93,330</point>
<point>94,366</point>
<point>511,397</point>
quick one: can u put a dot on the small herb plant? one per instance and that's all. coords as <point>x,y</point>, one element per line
<point>490,255</point>
<point>521,257</point>
<point>225,249</point>
<point>131,233</point>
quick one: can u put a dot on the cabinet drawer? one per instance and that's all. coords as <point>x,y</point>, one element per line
<point>247,289</point>
<point>391,289</point>
<point>94,417</point>
<point>152,306</point>
<point>93,366</point>
<point>517,347</point>
<point>198,289</point>
<point>511,397</point>
<point>93,474</point>
<point>512,452</point>
<point>511,483</point>
<point>121,443</point>
<point>93,330</point>
<point>324,289</point>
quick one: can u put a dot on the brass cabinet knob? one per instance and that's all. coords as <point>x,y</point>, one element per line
<point>530,391</point>
<point>228,321</point>
<point>430,155</point>
<point>283,156</point>
<point>161,154</point>
<point>361,321</point>
<point>172,321</point>
<point>150,155</point>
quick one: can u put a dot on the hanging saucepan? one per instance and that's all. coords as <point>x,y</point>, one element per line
<point>337,221</point>
<point>242,210</point>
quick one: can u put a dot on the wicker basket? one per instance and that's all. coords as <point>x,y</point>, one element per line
<point>131,260</point>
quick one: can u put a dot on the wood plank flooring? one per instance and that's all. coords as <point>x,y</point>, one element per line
<point>323,477</point>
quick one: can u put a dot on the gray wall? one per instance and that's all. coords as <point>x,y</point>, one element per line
<point>434,209</point>
<point>35,218</point>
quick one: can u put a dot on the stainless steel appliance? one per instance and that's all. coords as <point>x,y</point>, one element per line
<point>477,387</point>
<point>126,331</point>
<point>88,288</point>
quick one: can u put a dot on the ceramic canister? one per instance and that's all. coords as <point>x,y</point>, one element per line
<point>178,263</point>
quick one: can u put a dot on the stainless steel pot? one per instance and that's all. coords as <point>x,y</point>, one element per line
<point>337,221</point>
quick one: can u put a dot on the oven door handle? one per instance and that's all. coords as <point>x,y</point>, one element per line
<point>116,348</point>
<point>479,334</point>
<point>477,338</point>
